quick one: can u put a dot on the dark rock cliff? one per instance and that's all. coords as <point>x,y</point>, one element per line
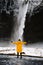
<point>33,31</point>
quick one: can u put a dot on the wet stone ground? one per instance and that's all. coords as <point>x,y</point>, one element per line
<point>6,60</point>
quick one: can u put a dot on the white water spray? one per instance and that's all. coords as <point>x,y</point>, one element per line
<point>20,20</point>
<point>22,14</point>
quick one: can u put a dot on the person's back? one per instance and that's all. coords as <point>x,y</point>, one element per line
<point>19,49</point>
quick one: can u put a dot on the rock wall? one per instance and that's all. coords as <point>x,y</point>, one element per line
<point>33,31</point>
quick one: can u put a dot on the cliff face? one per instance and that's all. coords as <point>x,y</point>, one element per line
<point>7,18</point>
<point>33,31</point>
<point>6,26</point>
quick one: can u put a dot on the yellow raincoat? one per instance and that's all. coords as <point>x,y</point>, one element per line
<point>19,45</point>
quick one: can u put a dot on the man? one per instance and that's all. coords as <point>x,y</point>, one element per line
<point>19,44</point>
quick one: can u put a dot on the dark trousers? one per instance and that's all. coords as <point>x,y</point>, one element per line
<point>20,55</point>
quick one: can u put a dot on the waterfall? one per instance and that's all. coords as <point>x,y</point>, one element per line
<point>20,20</point>
<point>19,9</point>
<point>23,8</point>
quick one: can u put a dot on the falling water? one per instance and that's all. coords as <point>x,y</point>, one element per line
<point>22,13</point>
<point>20,8</point>
<point>20,20</point>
